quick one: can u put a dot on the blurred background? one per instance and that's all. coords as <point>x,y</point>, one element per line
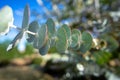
<point>102,62</point>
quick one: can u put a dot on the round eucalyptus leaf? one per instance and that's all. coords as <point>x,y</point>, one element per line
<point>86,42</point>
<point>76,39</point>
<point>51,27</point>
<point>61,43</point>
<point>77,47</point>
<point>26,15</point>
<point>6,19</point>
<point>14,41</point>
<point>68,30</point>
<point>42,36</point>
<point>76,31</point>
<point>33,27</point>
<point>52,42</point>
<point>35,42</point>
<point>44,50</point>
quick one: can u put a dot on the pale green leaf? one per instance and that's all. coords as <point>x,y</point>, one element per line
<point>61,43</point>
<point>6,19</point>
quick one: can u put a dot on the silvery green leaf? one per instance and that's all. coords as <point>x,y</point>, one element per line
<point>68,30</point>
<point>77,47</point>
<point>14,41</point>
<point>33,27</point>
<point>86,42</point>
<point>76,31</point>
<point>42,36</point>
<point>75,39</point>
<point>52,42</point>
<point>51,27</point>
<point>35,42</point>
<point>10,46</point>
<point>6,19</point>
<point>26,14</point>
<point>61,43</point>
<point>44,49</point>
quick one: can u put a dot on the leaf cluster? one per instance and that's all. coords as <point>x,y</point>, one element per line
<point>46,36</point>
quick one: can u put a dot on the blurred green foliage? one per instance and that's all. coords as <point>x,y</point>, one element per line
<point>14,53</point>
<point>102,57</point>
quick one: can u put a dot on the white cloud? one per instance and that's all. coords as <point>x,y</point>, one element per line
<point>19,12</point>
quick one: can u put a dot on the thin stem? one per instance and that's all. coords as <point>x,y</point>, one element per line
<point>30,32</point>
<point>13,26</point>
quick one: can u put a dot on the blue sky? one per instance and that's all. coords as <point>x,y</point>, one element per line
<point>18,7</point>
